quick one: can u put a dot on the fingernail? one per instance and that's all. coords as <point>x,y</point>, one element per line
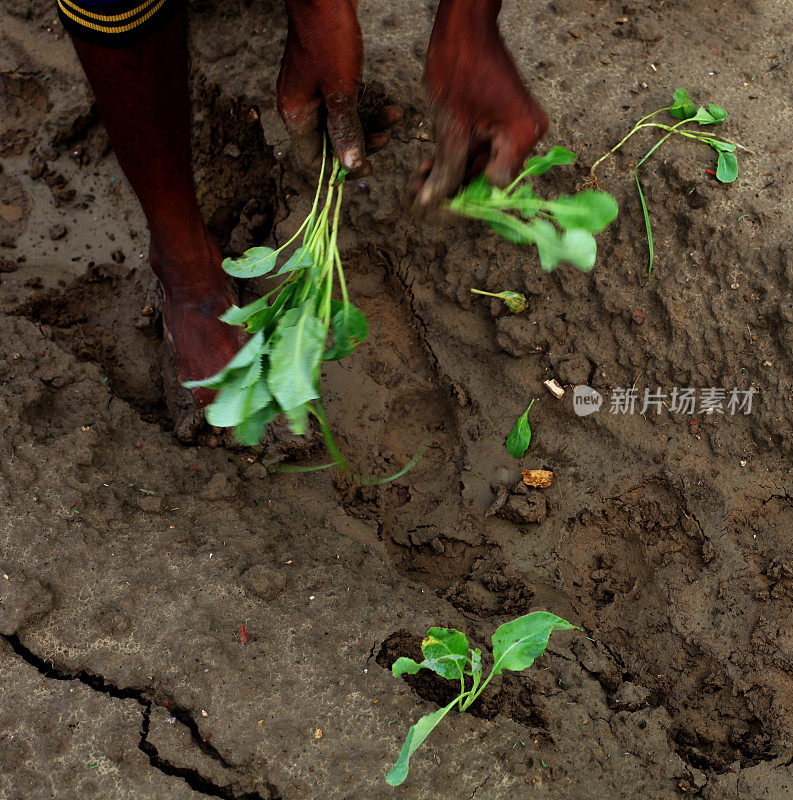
<point>352,158</point>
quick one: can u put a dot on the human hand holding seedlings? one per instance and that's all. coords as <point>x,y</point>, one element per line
<point>486,119</point>
<point>319,81</point>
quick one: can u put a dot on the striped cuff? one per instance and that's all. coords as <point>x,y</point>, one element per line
<point>114,24</point>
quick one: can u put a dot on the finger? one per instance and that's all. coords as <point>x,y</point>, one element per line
<point>449,167</point>
<point>345,131</point>
<point>376,141</point>
<point>385,118</point>
<point>416,182</point>
<point>510,149</point>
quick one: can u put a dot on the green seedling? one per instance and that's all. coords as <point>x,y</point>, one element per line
<point>278,370</point>
<point>516,645</point>
<point>684,109</point>
<point>562,229</point>
<point>520,436</point>
<point>514,301</point>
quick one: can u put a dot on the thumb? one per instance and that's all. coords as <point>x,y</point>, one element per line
<point>345,130</point>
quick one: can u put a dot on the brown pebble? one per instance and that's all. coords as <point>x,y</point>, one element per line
<point>57,232</point>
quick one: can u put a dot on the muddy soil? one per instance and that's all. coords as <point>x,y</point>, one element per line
<point>130,563</point>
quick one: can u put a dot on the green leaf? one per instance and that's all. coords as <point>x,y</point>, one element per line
<point>514,301</point>
<point>477,191</point>
<point>727,167</point>
<point>252,263</point>
<point>299,259</point>
<point>298,419</point>
<point>237,316</point>
<point>525,201</point>
<point>647,224</point>
<point>576,246</point>
<point>722,147</point>
<point>590,210</point>
<point>262,320</point>
<point>556,156</point>
<point>717,112</point>
<point>518,643</point>
<point>520,436</point>
<point>704,117</point>
<point>257,397</point>
<point>509,228</point>
<point>228,407</point>
<point>416,735</point>
<point>682,105</point>
<point>250,431</point>
<point>245,356</point>
<point>295,354</point>
<point>446,650</point>
<point>405,665</point>
<point>349,330</point>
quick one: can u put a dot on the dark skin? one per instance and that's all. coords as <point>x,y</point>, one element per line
<point>486,121</point>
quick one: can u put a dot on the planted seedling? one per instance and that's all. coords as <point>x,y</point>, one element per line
<point>684,109</point>
<point>562,229</point>
<point>516,645</point>
<point>277,371</point>
<point>520,436</point>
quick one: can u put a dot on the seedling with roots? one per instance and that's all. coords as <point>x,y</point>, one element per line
<point>516,645</point>
<point>684,109</point>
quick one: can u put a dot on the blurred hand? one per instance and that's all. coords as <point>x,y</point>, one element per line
<point>318,84</point>
<point>486,120</point>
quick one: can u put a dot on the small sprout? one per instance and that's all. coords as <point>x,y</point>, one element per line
<point>514,301</point>
<point>562,229</point>
<point>684,109</point>
<point>516,645</point>
<point>520,436</point>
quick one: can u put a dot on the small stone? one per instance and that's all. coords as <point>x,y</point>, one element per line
<point>220,487</point>
<point>630,696</point>
<point>438,546</point>
<point>554,388</point>
<point>318,733</point>
<point>151,503</point>
<point>638,317</point>
<point>530,508</point>
<point>57,232</point>
<point>232,151</point>
<point>7,265</point>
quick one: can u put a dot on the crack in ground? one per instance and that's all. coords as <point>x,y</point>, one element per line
<point>192,777</point>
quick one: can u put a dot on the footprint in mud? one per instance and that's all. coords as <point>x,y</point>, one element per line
<point>641,577</point>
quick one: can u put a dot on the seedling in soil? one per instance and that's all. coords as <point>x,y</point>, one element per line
<point>516,645</point>
<point>684,109</point>
<point>520,436</point>
<point>277,371</point>
<point>562,229</point>
<point>514,301</point>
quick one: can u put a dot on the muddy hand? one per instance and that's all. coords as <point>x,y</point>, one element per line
<point>486,120</point>
<point>318,85</point>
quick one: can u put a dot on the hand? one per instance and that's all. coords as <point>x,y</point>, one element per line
<point>486,120</point>
<point>318,84</point>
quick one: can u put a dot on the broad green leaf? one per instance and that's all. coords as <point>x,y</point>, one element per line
<point>704,117</point>
<point>727,167</point>
<point>477,191</point>
<point>518,643</point>
<point>298,419</point>
<point>416,735</point>
<point>508,227</point>
<point>682,105</point>
<point>514,301</point>
<point>722,147</point>
<point>556,156</point>
<point>237,316</point>
<point>228,407</point>
<point>252,263</point>
<point>524,201</point>
<point>717,112</point>
<point>295,354</point>
<point>520,435</point>
<point>250,431</point>
<point>590,210</point>
<point>447,650</point>
<point>576,246</point>
<point>349,330</point>
<point>245,356</point>
<point>261,320</point>
<point>405,665</point>
<point>258,396</point>
<point>299,259</point>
